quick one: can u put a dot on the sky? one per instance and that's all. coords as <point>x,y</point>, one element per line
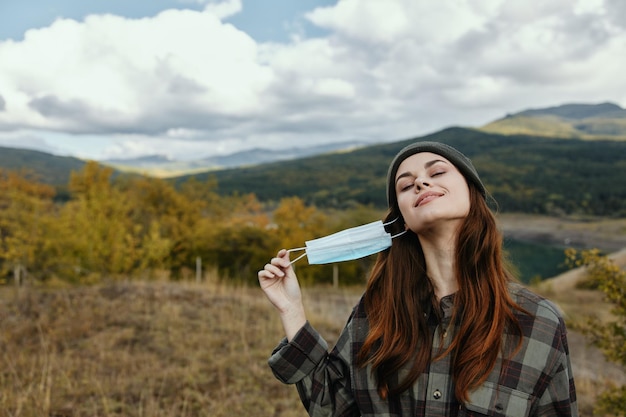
<point>188,79</point>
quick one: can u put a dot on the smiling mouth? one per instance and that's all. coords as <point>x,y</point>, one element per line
<point>426,198</point>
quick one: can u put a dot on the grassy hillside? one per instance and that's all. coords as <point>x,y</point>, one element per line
<point>145,349</point>
<point>581,121</point>
<point>176,350</point>
<point>524,174</point>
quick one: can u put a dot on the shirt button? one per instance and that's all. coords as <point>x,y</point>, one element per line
<point>437,394</point>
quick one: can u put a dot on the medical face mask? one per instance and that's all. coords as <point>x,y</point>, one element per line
<point>354,243</point>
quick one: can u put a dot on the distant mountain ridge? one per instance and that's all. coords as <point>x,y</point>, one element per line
<point>579,111</point>
<point>580,121</point>
<point>163,166</point>
<point>147,160</point>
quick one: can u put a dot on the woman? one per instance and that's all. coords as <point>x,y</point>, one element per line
<point>442,329</point>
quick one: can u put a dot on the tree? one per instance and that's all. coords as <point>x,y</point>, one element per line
<point>601,272</point>
<point>297,223</point>
<point>25,206</point>
<point>168,216</point>
<point>96,233</point>
<point>235,236</point>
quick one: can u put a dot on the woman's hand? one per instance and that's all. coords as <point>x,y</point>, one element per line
<point>280,284</point>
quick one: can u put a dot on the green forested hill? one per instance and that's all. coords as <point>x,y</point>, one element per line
<point>44,167</point>
<point>523,173</point>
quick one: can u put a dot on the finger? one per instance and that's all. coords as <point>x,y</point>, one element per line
<point>263,274</point>
<point>274,270</point>
<point>284,254</point>
<point>281,261</point>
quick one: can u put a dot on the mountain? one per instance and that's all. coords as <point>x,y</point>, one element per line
<point>163,167</point>
<point>579,111</point>
<point>44,167</point>
<point>140,162</point>
<point>530,174</point>
<point>581,121</point>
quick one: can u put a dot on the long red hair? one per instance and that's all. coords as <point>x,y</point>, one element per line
<point>399,289</point>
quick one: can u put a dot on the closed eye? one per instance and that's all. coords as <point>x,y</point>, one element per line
<point>405,184</point>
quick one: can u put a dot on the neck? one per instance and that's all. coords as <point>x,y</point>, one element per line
<point>439,254</point>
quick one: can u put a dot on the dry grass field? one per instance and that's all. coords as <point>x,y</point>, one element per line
<point>173,349</point>
<point>147,349</point>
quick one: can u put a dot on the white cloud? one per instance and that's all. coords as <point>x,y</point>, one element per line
<point>223,9</point>
<point>114,74</point>
<point>186,82</point>
<point>389,22</point>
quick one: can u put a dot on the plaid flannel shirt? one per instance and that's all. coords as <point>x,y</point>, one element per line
<point>537,381</point>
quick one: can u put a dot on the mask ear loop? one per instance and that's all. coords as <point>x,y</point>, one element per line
<point>391,221</point>
<point>396,235</point>
<point>399,234</point>
<point>299,257</point>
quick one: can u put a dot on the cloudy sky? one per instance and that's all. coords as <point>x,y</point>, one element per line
<point>195,78</point>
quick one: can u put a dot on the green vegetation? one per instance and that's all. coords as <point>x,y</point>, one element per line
<point>524,174</point>
<point>610,337</point>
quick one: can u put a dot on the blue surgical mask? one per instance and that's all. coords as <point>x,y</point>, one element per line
<point>354,243</point>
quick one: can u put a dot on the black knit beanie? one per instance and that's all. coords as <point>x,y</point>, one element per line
<point>460,161</point>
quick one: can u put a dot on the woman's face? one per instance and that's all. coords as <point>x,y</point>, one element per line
<point>431,191</point>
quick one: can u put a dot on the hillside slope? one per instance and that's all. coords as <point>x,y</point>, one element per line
<point>524,174</point>
<point>581,121</point>
<point>44,167</point>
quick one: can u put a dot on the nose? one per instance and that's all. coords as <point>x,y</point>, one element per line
<point>421,183</point>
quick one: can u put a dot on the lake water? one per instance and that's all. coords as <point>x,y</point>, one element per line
<point>534,260</point>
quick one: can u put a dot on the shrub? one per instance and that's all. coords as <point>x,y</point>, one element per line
<point>603,274</point>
